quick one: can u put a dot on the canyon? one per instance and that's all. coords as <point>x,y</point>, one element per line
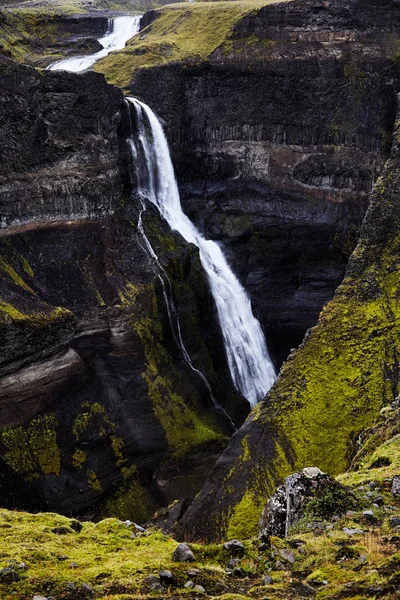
<point>277,134</point>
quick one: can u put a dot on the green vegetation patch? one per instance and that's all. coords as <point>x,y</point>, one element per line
<point>33,451</point>
<point>181,32</point>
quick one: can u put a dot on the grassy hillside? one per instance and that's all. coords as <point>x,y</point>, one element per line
<point>181,32</point>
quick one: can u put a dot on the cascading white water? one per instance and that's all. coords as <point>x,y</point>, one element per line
<point>248,359</point>
<point>121,29</point>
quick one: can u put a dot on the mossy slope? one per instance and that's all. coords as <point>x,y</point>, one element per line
<point>179,32</point>
<point>52,555</point>
<point>332,388</point>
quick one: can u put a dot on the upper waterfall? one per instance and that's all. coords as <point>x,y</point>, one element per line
<point>120,30</point>
<point>248,359</point>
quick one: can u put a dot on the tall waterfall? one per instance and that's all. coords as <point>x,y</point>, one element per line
<point>248,359</point>
<point>120,30</point>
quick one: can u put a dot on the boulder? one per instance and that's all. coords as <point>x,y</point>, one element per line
<point>183,553</point>
<point>290,501</point>
<point>167,578</point>
<point>234,547</point>
<point>396,486</point>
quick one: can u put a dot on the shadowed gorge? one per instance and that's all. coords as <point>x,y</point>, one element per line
<point>193,198</point>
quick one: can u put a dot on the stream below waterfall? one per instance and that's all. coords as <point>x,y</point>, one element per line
<point>246,350</point>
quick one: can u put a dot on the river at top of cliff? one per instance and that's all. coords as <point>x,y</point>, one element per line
<point>120,30</point>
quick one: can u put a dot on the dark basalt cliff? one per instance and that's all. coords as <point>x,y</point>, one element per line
<point>330,390</point>
<point>98,409</point>
<point>277,138</point>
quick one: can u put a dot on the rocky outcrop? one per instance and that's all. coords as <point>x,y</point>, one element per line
<point>99,410</point>
<point>331,389</point>
<point>280,133</point>
<point>39,35</point>
<point>62,155</point>
<point>310,492</point>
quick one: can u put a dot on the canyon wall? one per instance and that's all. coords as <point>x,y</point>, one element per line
<point>277,137</point>
<point>329,391</point>
<point>99,411</point>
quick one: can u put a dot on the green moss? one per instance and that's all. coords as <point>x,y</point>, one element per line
<point>128,295</point>
<point>8,310</point>
<point>33,451</point>
<point>27,267</point>
<point>79,458</point>
<point>130,501</point>
<point>13,275</point>
<point>109,559</point>
<point>93,481</point>
<point>183,427</point>
<point>95,415</point>
<point>83,420</point>
<point>243,522</point>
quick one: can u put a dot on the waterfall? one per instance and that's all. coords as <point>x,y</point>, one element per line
<point>249,363</point>
<point>120,30</point>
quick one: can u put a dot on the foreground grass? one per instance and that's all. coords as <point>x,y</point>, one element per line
<point>356,555</point>
<point>181,32</point>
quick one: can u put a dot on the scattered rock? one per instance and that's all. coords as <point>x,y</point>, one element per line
<point>194,572</point>
<point>267,580</point>
<point>167,578</point>
<point>71,586</point>
<point>234,562</point>
<point>394,522</point>
<point>234,547</point>
<point>379,501</point>
<point>73,565</point>
<point>199,588</point>
<point>189,585</point>
<point>369,518</point>
<point>287,555</point>
<point>8,575</point>
<point>362,559</point>
<point>39,598</point>
<point>350,514</point>
<point>238,572</point>
<point>295,543</point>
<point>22,566</point>
<point>153,583</point>
<point>352,532</point>
<point>396,486</point>
<point>87,590</point>
<point>183,553</point>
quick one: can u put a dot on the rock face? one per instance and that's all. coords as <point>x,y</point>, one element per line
<point>98,408</point>
<point>63,154</point>
<point>42,35</point>
<point>332,388</point>
<point>279,136</point>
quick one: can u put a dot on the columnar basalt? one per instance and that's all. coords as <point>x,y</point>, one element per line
<point>280,134</point>
<point>98,407</point>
